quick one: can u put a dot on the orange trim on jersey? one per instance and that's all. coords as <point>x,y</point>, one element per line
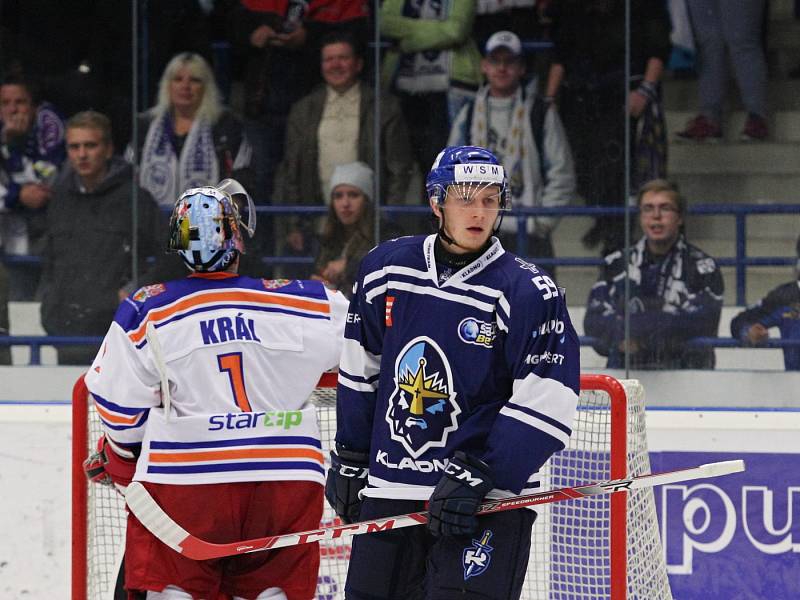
<point>214,297</point>
<point>112,418</point>
<point>179,457</point>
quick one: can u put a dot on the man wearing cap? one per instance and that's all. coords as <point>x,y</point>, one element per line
<point>511,120</point>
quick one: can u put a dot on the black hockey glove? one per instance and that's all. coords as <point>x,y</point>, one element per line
<point>457,496</point>
<point>346,478</point>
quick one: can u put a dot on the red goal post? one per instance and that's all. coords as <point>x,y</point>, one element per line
<point>603,547</point>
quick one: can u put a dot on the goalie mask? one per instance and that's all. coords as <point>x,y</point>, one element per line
<point>206,225</point>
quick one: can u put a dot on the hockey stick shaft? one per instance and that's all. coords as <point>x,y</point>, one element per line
<point>160,524</point>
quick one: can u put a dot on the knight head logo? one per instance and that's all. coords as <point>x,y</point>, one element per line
<point>422,409</point>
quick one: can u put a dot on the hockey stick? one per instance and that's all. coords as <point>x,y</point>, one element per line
<point>161,366</point>
<point>161,525</point>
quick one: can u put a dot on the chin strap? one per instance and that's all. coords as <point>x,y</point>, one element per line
<point>450,241</point>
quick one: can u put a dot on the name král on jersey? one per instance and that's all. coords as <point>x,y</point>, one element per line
<point>225,329</point>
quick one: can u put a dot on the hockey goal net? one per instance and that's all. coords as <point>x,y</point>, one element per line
<point>601,547</point>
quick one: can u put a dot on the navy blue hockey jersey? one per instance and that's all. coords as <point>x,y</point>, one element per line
<point>486,361</point>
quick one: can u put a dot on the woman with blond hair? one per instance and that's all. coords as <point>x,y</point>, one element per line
<point>191,139</point>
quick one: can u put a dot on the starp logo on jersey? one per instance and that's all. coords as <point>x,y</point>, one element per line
<point>422,408</point>
<point>477,557</point>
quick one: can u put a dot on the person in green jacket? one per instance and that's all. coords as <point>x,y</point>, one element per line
<point>433,67</point>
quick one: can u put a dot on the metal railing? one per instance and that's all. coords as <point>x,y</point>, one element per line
<point>740,261</point>
<point>739,212</point>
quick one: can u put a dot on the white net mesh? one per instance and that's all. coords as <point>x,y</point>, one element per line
<point>571,551</point>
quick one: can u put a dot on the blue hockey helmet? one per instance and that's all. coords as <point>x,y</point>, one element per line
<point>206,225</point>
<point>470,168</point>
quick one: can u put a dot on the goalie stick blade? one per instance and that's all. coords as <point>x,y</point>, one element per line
<point>161,525</point>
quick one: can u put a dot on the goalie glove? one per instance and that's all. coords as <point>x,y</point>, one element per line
<point>106,467</point>
<point>457,496</point>
<point>346,478</point>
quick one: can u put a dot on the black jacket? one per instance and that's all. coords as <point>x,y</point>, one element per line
<point>88,250</point>
<point>673,299</point>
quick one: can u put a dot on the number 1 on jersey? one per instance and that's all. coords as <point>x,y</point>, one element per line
<point>232,365</point>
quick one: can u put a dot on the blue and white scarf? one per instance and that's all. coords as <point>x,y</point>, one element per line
<point>164,174</point>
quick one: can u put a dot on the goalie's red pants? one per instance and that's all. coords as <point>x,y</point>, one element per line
<point>227,512</point>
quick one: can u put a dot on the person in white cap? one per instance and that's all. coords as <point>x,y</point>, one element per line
<point>349,229</point>
<point>511,120</point>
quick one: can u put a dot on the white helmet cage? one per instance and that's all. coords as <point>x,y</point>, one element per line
<point>465,171</point>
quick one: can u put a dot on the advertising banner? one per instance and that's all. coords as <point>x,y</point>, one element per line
<point>732,537</point>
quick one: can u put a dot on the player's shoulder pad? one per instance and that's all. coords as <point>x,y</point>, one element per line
<point>133,309</point>
<point>305,288</point>
<point>394,251</point>
<point>529,289</point>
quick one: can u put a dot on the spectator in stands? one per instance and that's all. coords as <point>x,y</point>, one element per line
<point>527,137</point>
<point>190,139</point>
<point>342,16</point>
<point>721,28</point>
<point>780,308</point>
<point>518,16</point>
<point>167,28</point>
<point>271,37</point>
<point>31,151</point>
<point>89,217</point>
<point>433,66</point>
<point>333,125</point>
<point>675,292</point>
<point>587,80</point>
<point>5,351</point>
<point>349,229</point>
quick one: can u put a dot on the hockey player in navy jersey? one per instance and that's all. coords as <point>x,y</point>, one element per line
<point>459,378</point>
<point>233,450</point>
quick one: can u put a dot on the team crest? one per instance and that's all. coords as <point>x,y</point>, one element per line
<point>274,284</point>
<point>477,557</point>
<point>422,408</point>
<point>149,291</point>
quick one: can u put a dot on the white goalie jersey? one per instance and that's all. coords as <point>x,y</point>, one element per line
<point>242,356</point>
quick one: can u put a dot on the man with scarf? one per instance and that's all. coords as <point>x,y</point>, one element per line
<point>529,140</point>
<point>675,292</point>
